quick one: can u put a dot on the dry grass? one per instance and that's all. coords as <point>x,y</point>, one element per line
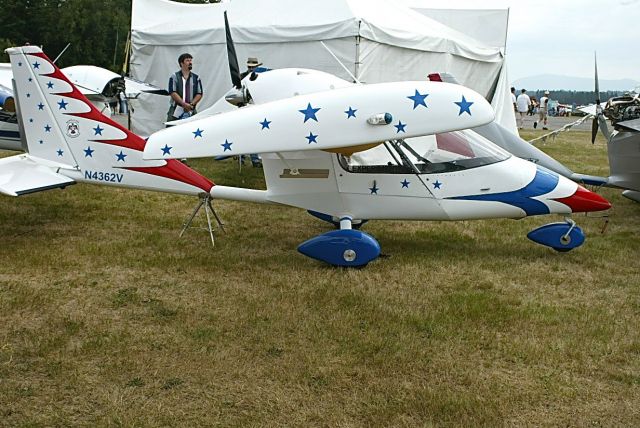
<point>106,318</point>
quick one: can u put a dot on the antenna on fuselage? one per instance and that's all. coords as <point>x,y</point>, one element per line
<point>60,54</point>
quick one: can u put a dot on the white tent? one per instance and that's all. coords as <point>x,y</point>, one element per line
<point>376,40</point>
<point>489,26</point>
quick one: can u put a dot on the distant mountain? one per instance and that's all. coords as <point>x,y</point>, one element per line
<point>569,83</point>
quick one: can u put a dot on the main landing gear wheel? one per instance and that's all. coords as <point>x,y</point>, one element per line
<point>345,247</point>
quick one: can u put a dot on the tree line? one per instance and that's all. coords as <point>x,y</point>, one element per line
<point>575,97</point>
<point>96,30</point>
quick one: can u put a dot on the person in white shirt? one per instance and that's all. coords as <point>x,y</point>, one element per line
<point>542,112</point>
<point>522,103</point>
<point>513,98</point>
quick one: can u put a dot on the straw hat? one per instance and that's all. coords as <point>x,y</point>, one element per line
<point>253,62</point>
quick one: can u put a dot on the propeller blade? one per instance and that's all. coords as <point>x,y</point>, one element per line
<point>594,124</point>
<point>594,129</point>
<point>234,68</point>
<point>597,90</point>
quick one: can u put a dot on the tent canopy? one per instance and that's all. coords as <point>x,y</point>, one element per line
<point>154,22</point>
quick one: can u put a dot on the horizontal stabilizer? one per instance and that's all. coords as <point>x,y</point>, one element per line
<point>22,174</point>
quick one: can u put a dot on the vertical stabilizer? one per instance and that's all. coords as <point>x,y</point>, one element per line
<point>60,125</point>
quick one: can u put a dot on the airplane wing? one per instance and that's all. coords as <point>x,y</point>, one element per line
<point>23,174</point>
<point>134,87</point>
<point>590,109</point>
<point>331,119</point>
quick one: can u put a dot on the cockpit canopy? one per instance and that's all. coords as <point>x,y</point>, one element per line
<point>440,153</point>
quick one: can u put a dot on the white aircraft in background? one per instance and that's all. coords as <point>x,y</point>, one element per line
<point>309,143</point>
<point>623,142</point>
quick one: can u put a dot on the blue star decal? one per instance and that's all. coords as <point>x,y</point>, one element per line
<point>30,120</point>
<point>437,184</point>
<point>312,138</point>
<point>120,156</point>
<point>197,133</point>
<point>226,145</point>
<point>265,123</point>
<point>351,112</point>
<point>310,112</point>
<point>20,64</point>
<point>166,150</point>
<point>88,152</point>
<point>405,183</point>
<point>41,142</point>
<point>47,128</point>
<point>418,99</point>
<point>98,130</point>
<point>400,127</point>
<point>40,106</point>
<point>36,64</point>
<point>30,79</point>
<point>374,189</point>
<point>50,85</point>
<point>60,152</point>
<point>464,106</point>
<point>62,105</point>
<point>28,95</point>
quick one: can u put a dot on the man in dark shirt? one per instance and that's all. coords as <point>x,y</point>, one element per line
<point>185,88</point>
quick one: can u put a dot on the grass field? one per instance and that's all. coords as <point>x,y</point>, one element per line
<point>108,319</point>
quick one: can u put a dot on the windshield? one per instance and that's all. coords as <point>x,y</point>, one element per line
<point>448,152</point>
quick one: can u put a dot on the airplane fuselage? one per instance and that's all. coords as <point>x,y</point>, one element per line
<point>319,181</point>
<point>624,159</point>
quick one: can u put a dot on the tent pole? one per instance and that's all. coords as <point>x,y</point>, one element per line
<point>357,64</point>
<point>506,31</point>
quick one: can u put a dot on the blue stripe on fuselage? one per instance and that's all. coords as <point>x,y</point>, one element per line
<point>544,182</point>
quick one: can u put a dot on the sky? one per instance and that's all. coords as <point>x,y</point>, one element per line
<point>560,36</point>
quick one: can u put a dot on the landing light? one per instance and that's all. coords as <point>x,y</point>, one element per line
<point>380,119</point>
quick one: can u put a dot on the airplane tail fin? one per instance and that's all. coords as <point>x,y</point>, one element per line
<point>59,125</point>
<point>443,77</point>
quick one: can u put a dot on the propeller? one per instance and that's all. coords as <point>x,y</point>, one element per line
<point>594,124</point>
<point>234,68</point>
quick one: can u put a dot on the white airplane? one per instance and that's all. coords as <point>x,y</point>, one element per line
<point>308,143</point>
<point>349,153</point>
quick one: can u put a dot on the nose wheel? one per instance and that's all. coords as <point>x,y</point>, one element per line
<point>561,236</point>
